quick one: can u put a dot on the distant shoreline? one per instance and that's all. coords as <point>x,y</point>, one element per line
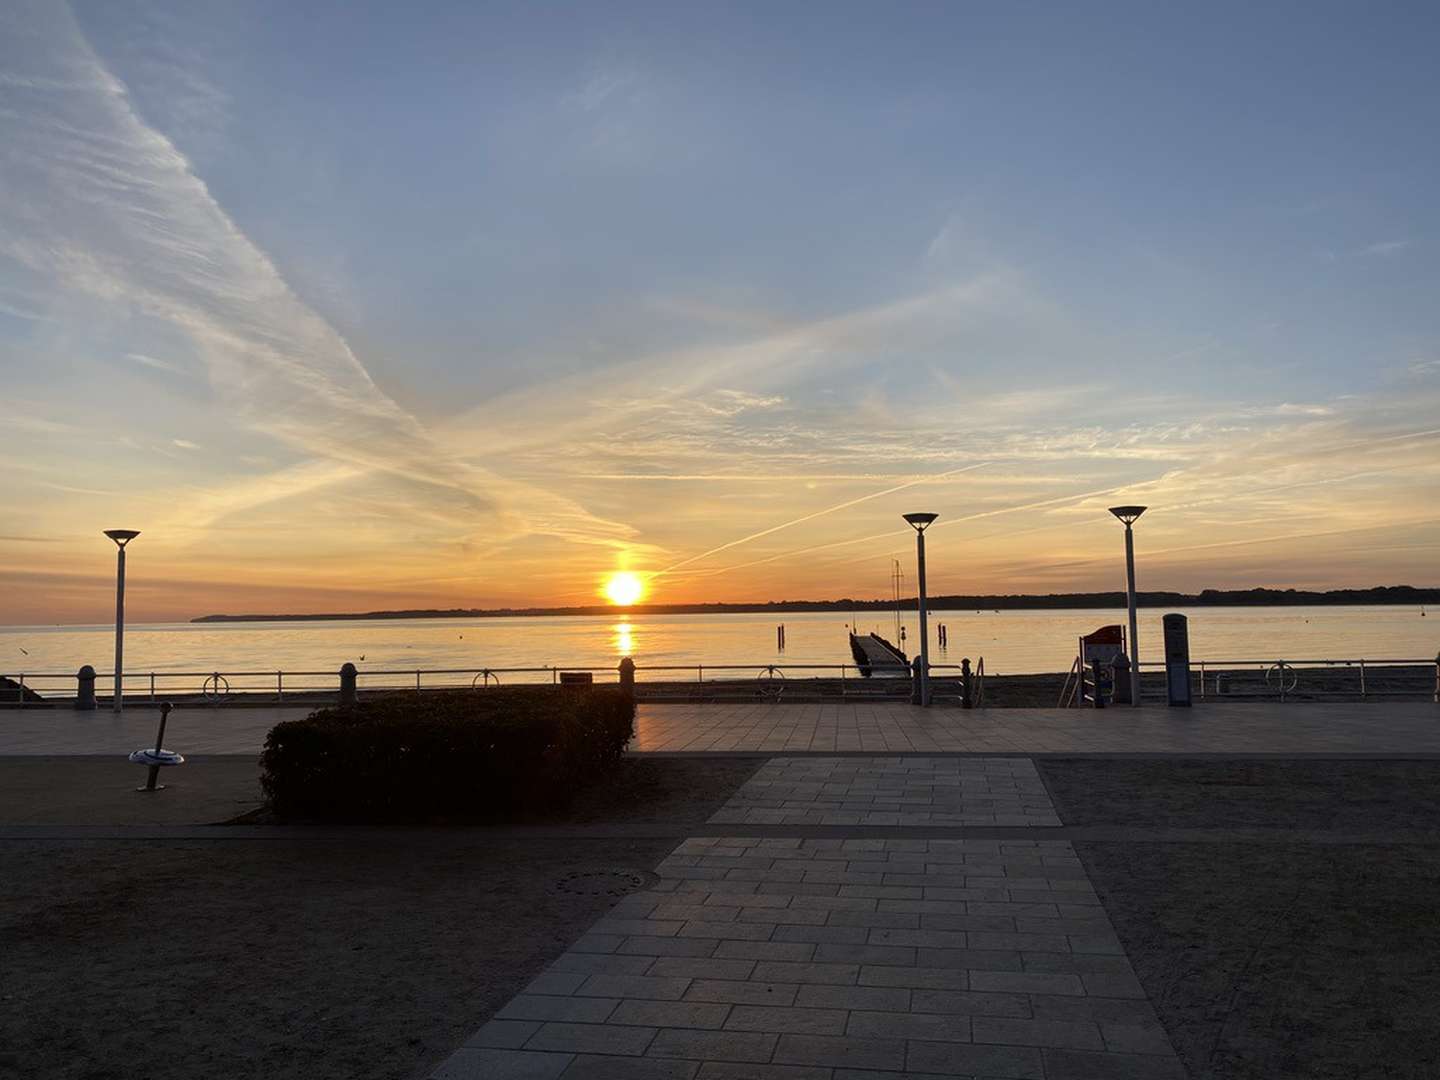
<point>1399,595</point>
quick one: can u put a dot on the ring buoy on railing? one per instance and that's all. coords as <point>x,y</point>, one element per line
<point>215,686</point>
<point>771,683</point>
<point>489,677</point>
<point>1282,676</point>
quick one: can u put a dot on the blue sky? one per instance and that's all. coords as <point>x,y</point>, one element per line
<point>481,302</point>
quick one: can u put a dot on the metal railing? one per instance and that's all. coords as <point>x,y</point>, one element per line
<point>1211,679</point>
<point>277,685</point>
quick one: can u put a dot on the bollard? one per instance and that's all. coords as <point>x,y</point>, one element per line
<point>1099,686</point>
<point>348,694</point>
<point>627,676</point>
<point>915,681</point>
<point>1437,678</point>
<point>157,755</point>
<point>1120,680</point>
<point>965,699</point>
<point>85,689</point>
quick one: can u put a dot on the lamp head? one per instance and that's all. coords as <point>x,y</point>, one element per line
<point>920,521</point>
<point>122,536</point>
<point>1127,514</point>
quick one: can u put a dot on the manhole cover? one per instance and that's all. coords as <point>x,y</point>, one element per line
<point>605,882</point>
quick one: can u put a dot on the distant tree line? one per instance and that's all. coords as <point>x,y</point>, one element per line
<point>1382,594</point>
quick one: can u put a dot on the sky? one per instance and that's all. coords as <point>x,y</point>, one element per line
<point>350,306</point>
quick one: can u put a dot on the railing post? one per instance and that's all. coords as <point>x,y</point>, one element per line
<point>349,694</point>
<point>1437,678</point>
<point>85,688</point>
<point>279,686</point>
<point>965,699</point>
<point>417,680</point>
<point>627,676</point>
<point>1202,680</point>
<point>1099,689</point>
<point>1362,680</point>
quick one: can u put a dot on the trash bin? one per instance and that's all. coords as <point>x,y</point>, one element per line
<point>1177,659</point>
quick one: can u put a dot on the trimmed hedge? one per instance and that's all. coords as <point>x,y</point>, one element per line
<point>446,754</point>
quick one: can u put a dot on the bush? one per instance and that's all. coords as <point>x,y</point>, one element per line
<point>464,753</point>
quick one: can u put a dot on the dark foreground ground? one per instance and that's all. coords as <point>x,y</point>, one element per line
<point>1293,932</point>
<point>1302,950</point>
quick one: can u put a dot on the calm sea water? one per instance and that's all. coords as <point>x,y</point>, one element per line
<point>1011,642</point>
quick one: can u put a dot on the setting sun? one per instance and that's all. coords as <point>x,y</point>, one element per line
<point>624,589</point>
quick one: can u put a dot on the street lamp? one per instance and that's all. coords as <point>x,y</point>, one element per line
<point>121,538</point>
<point>921,522</point>
<point>1129,515</point>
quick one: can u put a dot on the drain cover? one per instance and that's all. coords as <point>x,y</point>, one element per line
<point>605,882</point>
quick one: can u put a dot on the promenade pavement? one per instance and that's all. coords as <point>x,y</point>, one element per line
<point>884,728</point>
<point>798,958</point>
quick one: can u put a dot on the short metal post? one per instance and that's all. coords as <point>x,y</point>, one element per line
<point>85,688</point>
<point>1437,678</point>
<point>152,688</point>
<point>627,676</point>
<point>1099,691</point>
<point>20,702</point>
<point>279,686</point>
<point>965,699</point>
<point>417,680</point>
<point>1362,680</point>
<point>349,694</point>
<point>1202,680</point>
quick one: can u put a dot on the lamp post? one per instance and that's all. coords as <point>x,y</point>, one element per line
<point>121,538</point>
<point>920,522</point>
<point>1129,515</point>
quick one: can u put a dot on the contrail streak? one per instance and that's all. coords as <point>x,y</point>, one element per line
<point>811,517</point>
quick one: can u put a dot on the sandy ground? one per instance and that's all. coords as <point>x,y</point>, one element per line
<point>1295,956</point>
<point>364,957</point>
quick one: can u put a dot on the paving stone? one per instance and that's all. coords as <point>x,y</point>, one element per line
<point>840,1050</point>
<point>1097,1009</point>
<point>908,1025</point>
<point>655,988</point>
<point>1066,1034</point>
<point>646,927</point>
<point>1117,985</point>
<point>970,1003</point>
<point>919,978</point>
<point>1025,982</point>
<point>597,943</point>
<point>556,982</point>
<point>889,920</point>
<point>743,993</point>
<point>713,1045</point>
<point>607,964</point>
<point>966,1059</point>
<point>591,1038</point>
<point>1136,1039</point>
<point>1076,963</point>
<point>982,960</point>
<point>1079,1065</point>
<point>830,974</point>
<point>729,1070</point>
<point>765,950</point>
<point>688,1014</point>
<point>480,1064</point>
<point>778,1019</point>
<point>865,954</point>
<point>708,967</point>
<point>505,1034</point>
<point>544,1007</point>
<point>830,935</point>
<point>666,946</point>
<point>877,998</point>
<point>595,1067</point>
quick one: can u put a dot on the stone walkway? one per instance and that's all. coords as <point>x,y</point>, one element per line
<point>788,958</point>
<point>875,728</point>
<point>898,791</point>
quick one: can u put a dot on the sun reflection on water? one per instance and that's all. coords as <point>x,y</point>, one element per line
<point>624,642</point>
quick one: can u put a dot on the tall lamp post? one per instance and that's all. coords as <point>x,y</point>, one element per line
<point>1129,515</point>
<point>121,538</point>
<point>920,522</point>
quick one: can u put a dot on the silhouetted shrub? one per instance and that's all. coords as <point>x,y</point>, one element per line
<point>448,754</point>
